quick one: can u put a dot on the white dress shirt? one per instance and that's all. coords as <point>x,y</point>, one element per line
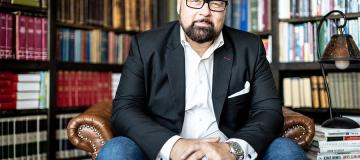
<point>199,120</point>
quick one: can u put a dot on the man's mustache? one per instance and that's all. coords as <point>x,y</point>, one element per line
<point>203,20</point>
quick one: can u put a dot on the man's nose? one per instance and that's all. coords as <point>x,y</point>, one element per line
<point>205,10</point>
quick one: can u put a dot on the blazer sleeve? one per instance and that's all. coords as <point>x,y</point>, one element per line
<point>129,117</point>
<point>265,116</point>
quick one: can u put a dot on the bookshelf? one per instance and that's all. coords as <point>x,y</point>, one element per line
<point>54,64</point>
<point>160,7</point>
<point>283,70</point>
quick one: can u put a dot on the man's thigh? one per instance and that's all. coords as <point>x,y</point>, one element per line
<point>284,149</point>
<point>120,148</point>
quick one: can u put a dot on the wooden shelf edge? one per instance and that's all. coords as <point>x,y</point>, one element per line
<point>89,66</point>
<point>18,113</point>
<point>14,8</point>
<point>312,66</point>
<point>326,111</point>
<point>64,110</point>
<point>23,65</point>
<point>92,27</point>
<point>318,18</point>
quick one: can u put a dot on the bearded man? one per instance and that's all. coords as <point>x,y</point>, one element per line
<point>196,89</point>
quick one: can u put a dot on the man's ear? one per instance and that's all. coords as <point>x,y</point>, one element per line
<point>178,6</point>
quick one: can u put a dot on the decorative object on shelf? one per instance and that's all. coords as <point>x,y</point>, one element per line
<point>341,50</point>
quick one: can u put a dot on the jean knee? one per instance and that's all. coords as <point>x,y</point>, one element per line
<point>120,148</point>
<point>284,148</point>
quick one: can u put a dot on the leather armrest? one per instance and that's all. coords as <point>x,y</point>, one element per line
<point>298,127</point>
<point>91,129</point>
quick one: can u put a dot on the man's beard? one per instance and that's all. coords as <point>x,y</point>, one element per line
<point>201,34</point>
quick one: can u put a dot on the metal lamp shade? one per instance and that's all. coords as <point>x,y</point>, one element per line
<point>341,48</point>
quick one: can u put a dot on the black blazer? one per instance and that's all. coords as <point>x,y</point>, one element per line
<point>150,100</point>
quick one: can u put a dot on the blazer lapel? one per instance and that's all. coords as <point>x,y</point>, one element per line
<point>223,60</point>
<point>175,65</point>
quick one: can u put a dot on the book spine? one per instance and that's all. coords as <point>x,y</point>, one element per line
<point>37,38</point>
<point>9,37</point>
<point>30,38</point>
<point>20,37</point>
<point>2,35</point>
<point>44,39</point>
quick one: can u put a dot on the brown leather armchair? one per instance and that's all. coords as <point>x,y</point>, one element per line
<point>90,130</point>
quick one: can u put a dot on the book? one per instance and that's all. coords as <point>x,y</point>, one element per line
<point>331,132</point>
<point>32,3</point>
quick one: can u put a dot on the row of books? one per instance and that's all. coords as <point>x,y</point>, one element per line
<point>332,143</point>
<point>310,92</point>
<point>345,89</point>
<point>79,88</point>
<point>30,37</point>
<point>129,15</point>
<point>298,42</point>
<point>24,91</point>
<point>249,15</point>
<point>304,92</point>
<point>94,46</point>
<point>23,137</point>
<point>31,3</point>
<point>312,8</point>
<point>66,150</point>
<point>26,138</point>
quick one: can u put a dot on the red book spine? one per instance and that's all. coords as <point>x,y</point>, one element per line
<point>71,86</point>
<point>7,105</point>
<point>37,38</point>
<point>44,43</point>
<point>92,81</point>
<point>8,97</point>
<point>8,90</point>
<point>6,83</point>
<point>88,88</point>
<point>8,76</point>
<point>9,37</point>
<point>20,37</point>
<point>30,38</point>
<point>76,88</point>
<point>60,90</point>
<point>109,86</point>
<point>2,35</point>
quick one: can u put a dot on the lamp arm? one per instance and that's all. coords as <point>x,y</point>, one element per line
<point>318,53</point>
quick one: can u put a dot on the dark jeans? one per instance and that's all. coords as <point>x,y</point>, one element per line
<point>122,148</point>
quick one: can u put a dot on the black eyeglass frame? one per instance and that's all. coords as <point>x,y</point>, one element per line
<point>207,1</point>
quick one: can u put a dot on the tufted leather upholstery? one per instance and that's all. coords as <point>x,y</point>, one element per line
<point>91,129</point>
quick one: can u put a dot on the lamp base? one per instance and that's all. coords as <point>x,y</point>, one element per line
<point>340,122</point>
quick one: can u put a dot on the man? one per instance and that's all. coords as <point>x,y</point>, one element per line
<point>196,89</point>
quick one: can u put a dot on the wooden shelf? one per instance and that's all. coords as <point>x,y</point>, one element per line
<point>263,34</point>
<point>18,113</point>
<point>15,8</point>
<point>21,65</point>
<point>92,27</point>
<point>318,18</point>
<point>66,110</point>
<point>89,66</point>
<point>326,111</point>
<point>312,66</point>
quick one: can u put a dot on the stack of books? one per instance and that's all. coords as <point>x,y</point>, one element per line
<point>331,143</point>
<point>24,90</point>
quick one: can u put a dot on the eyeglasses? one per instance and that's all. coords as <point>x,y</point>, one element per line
<point>214,5</point>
